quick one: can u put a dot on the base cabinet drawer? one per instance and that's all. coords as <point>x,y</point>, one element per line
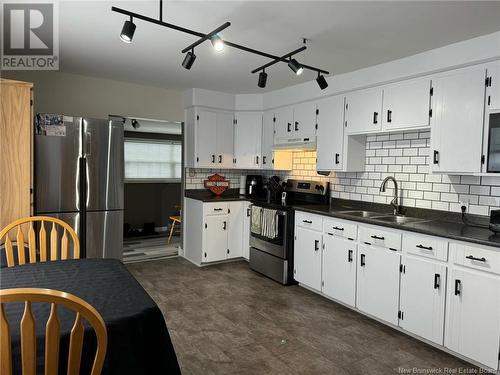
<point>215,208</point>
<point>426,246</point>
<point>473,315</point>
<point>379,236</point>
<point>309,221</point>
<point>341,228</point>
<point>476,257</point>
<point>423,291</point>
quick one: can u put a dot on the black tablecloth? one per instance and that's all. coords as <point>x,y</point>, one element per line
<point>138,339</point>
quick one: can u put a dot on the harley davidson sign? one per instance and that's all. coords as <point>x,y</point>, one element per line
<point>217,184</point>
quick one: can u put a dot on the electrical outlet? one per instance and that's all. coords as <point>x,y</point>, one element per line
<point>464,203</point>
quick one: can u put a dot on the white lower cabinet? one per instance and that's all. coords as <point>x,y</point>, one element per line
<point>236,216</point>
<point>215,238</point>
<point>307,257</point>
<point>473,315</point>
<point>339,268</point>
<point>422,298</point>
<point>378,282</point>
<point>245,249</point>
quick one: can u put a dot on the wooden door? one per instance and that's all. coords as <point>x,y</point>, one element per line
<point>307,257</point>
<point>330,138</point>
<point>215,238</point>
<point>206,122</point>
<point>283,125</point>
<point>16,137</point>
<point>304,120</point>
<point>363,111</point>
<point>247,140</point>
<point>225,141</point>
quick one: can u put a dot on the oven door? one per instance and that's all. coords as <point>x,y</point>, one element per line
<point>275,246</point>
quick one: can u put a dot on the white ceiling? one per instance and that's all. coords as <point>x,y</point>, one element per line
<point>344,36</point>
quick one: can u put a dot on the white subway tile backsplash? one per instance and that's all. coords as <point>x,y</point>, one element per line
<point>402,155</point>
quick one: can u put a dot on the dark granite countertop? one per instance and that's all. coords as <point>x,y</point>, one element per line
<point>434,223</point>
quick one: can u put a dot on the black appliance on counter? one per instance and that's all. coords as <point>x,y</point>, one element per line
<point>254,186</point>
<point>273,257</point>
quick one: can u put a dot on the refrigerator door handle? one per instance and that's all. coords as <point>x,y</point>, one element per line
<point>88,144</point>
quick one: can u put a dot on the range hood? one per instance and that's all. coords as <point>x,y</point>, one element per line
<point>296,144</point>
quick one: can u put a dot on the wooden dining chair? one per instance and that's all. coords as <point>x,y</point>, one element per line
<point>52,331</point>
<point>17,228</point>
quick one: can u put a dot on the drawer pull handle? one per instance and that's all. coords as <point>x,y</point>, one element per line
<point>349,256</point>
<point>307,221</point>
<point>458,287</point>
<point>217,209</point>
<point>378,238</point>
<point>437,280</point>
<point>483,259</point>
<point>424,247</point>
<point>316,245</point>
<point>330,234</point>
<point>363,262</point>
<point>337,228</point>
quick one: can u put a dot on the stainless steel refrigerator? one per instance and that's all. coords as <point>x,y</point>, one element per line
<point>79,179</point>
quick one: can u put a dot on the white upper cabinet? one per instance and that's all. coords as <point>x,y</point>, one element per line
<point>304,120</point>
<point>247,140</point>
<point>457,121</point>
<point>407,104</point>
<point>206,138</point>
<point>273,160</point>
<point>363,111</point>
<point>284,125</point>
<point>224,140</point>
<point>330,138</point>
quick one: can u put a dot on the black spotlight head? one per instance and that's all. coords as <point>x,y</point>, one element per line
<point>322,82</point>
<point>189,60</point>
<point>262,79</point>
<point>295,66</point>
<point>128,31</point>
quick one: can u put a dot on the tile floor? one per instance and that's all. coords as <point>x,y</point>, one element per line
<point>227,319</point>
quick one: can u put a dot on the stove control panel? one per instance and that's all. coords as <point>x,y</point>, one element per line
<point>309,187</point>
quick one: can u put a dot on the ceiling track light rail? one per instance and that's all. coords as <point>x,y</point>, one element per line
<point>213,36</point>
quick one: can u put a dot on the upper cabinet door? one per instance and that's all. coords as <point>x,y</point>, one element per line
<point>304,120</point>
<point>363,111</point>
<point>225,140</point>
<point>457,121</point>
<point>267,140</point>
<point>407,104</point>
<point>206,136</point>
<point>247,140</point>
<point>493,88</point>
<point>283,125</point>
<point>330,134</point>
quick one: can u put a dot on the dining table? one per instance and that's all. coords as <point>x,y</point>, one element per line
<point>138,338</point>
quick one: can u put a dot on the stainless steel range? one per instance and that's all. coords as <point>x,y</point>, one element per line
<point>272,228</point>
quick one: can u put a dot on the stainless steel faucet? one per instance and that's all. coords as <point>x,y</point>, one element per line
<point>394,202</point>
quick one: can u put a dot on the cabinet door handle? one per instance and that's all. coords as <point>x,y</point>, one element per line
<point>213,158</point>
<point>389,115</point>
<point>217,209</point>
<point>316,245</point>
<point>436,157</point>
<point>437,280</point>
<point>220,158</point>
<point>375,117</point>
<point>378,238</point>
<point>289,127</point>
<point>296,125</point>
<point>338,228</point>
<point>458,287</point>
<point>349,256</point>
<point>363,260</point>
<point>424,247</point>
<point>471,257</point>
<point>256,160</point>
<point>224,225</point>
<point>307,221</point>
<point>337,158</point>
<point>264,160</point>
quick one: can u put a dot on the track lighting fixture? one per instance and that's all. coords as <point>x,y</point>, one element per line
<point>295,66</point>
<point>189,60</point>
<point>262,79</point>
<point>217,42</point>
<point>128,31</point>
<point>321,81</point>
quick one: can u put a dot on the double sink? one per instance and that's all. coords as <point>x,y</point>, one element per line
<point>388,218</point>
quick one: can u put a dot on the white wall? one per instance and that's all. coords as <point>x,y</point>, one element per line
<point>78,95</point>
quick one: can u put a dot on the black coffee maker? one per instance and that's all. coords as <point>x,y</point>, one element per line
<point>255,186</point>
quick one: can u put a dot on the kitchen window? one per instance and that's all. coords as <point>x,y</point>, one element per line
<point>152,160</point>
